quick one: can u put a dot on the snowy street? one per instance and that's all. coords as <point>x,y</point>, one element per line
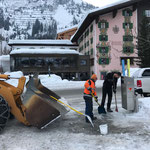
<point>126,130</point>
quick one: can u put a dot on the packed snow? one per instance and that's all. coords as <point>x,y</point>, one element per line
<point>126,130</point>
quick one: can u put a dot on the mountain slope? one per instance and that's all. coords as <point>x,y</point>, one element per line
<point>40,19</point>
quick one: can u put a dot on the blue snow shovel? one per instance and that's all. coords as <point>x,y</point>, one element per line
<point>101,109</point>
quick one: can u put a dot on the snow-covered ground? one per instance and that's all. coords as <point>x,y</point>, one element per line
<point>126,130</point>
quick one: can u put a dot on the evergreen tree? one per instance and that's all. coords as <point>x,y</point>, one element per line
<point>143,45</point>
<point>1,20</point>
<point>6,24</point>
<point>74,20</point>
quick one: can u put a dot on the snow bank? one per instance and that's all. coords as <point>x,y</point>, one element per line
<point>144,107</point>
<point>55,82</point>
<point>132,71</point>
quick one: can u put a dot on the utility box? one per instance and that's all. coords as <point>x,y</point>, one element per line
<point>127,93</point>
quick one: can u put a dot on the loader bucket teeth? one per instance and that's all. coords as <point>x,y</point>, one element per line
<point>41,108</point>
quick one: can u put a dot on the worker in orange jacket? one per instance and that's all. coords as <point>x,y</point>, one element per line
<point>90,90</point>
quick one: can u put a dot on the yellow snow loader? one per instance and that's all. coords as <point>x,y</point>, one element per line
<point>38,107</point>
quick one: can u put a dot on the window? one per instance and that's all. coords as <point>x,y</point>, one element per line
<point>87,43</point>
<point>127,12</point>
<point>91,40</point>
<point>83,62</point>
<point>103,24</point>
<point>91,28</point>
<point>128,49</point>
<point>103,49</point>
<point>146,73</point>
<point>147,13</point>
<point>92,62</point>
<point>125,60</point>
<point>103,61</point>
<point>103,74</point>
<point>127,25</point>
<point>25,62</point>
<point>103,37</point>
<point>127,38</point>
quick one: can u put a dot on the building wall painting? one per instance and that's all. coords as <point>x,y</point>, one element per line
<point>110,35</point>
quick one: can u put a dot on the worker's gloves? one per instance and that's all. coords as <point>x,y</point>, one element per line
<point>90,89</point>
<point>96,98</point>
<point>114,90</point>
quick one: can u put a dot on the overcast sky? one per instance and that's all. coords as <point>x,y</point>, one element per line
<point>100,3</point>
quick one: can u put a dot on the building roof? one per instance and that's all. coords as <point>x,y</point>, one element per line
<point>42,42</point>
<point>43,51</point>
<point>92,15</point>
<point>67,29</point>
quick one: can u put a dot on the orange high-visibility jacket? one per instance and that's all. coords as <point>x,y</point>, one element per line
<point>89,84</point>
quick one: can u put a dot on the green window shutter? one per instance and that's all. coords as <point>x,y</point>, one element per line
<point>87,32</point>
<point>124,49</point>
<point>123,13</point>
<point>144,14</point>
<point>131,25</point>
<point>100,62</point>
<point>99,25</point>
<point>91,51</point>
<point>87,43</point>
<point>107,61</point>
<point>91,40</point>
<point>130,14</point>
<point>124,38</point>
<point>107,24</point>
<point>100,49</point>
<point>100,37</point>
<point>123,25</point>
<point>131,38</point>
<point>132,49</point>
<point>106,37</point>
<point>106,49</point>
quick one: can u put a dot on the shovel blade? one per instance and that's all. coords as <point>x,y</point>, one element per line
<point>90,120</point>
<point>101,110</point>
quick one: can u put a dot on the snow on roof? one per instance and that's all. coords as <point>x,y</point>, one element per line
<point>44,51</point>
<point>66,42</point>
<point>65,29</point>
<point>101,8</point>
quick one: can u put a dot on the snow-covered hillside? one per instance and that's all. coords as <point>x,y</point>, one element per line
<point>39,18</point>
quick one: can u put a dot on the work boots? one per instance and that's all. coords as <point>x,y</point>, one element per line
<point>94,118</point>
<point>109,110</point>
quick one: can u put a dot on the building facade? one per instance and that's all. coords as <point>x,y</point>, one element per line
<point>49,56</point>
<point>109,34</point>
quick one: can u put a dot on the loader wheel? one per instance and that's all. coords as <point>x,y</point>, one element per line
<point>4,113</point>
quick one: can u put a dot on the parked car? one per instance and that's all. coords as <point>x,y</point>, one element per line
<point>142,81</point>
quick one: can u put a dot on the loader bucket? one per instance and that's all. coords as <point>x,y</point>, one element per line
<point>41,108</point>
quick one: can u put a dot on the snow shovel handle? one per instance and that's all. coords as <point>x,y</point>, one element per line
<point>95,99</point>
<point>67,105</point>
<point>89,118</point>
<point>116,102</point>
